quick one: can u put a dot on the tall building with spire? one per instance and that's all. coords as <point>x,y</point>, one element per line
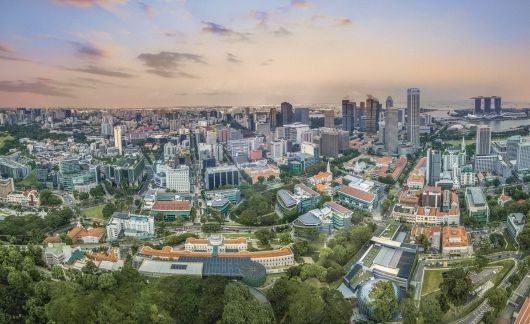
<point>413,116</point>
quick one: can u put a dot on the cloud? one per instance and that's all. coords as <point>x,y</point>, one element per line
<point>166,64</point>
<point>181,94</point>
<point>281,32</point>
<point>40,86</point>
<point>105,4</point>
<point>267,62</point>
<point>315,20</point>
<point>345,22</point>
<point>90,50</point>
<point>261,17</point>
<point>11,58</point>
<point>220,30</point>
<point>92,69</point>
<point>215,93</point>
<point>301,4</point>
<point>5,48</point>
<point>231,58</point>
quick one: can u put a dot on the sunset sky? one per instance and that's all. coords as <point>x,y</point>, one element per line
<point>119,53</point>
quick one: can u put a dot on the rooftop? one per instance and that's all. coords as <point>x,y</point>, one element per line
<point>454,236</point>
<point>337,207</point>
<point>357,193</point>
<point>168,252</point>
<point>171,205</point>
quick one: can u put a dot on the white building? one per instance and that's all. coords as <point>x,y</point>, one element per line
<point>277,149</point>
<point>138,226</point>
<point>222,244</point>
<point>178,178</point>
<point>117,139</point>
<point>170,150</point>
<point>294,132</point>
<point>57,253</point>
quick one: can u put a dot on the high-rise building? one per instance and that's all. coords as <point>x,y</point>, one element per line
<point>389,102</point>
<point>512,147</point>
<point>359,115</point>
<point>478,105</point>
<point>391,131</point>
<point>348,115</point>
<point>523,157</point>
<point>273,117</point>
<point>497,103</point>
<point>286,110</point>
<point>219,176</point>
<point>329,118</point>
<point>293,132</point>
<point>487,105</point>
<point>371,115</point>
<point>463,153</point>
<point>178,178</point>
<point>433,167</point>
<point>117,139</point>
<point>483,141</point>
<point>301,115</point>
<point>106,125</point>
<point>413,116</point>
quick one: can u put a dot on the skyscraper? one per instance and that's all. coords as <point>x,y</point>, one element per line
<point>434,167</point>
<point>348,115</point>
<point>512,147</point>
<point>272,117</point>
<point>371,115</point>
<point>287,113</point>
<point>391,131</point>
<point>483,145</point>
<point>389,102</point>
<point>487,105</point>
<point>413,116</point>
<point>478,105</point>
<point>106,125</point>
<point>301,115</point>
<point>329,118</point>
<point>497,102</point>
<point>523,157</point>
<point>117,139</point>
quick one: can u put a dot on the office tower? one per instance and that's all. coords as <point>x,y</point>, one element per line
<point>389,102</point>
<point>487,105</point>
<point>371,115</point>
<point>451,159</point>
<point>272,117</point>
<point>497,103</point>
<point>348,115</point>
<point>301,115</point>
<point>329,118</point>
<point>413,116</point>
<point>293,132</point>
<point>117,139</point>
<point>329,144</point>
<point>433,167</point>
<point>287,113</point>
<point>478,105</point>
<point>391,131</point>
<point>220,176</point>
<point>178,178</point>
<point>359,114</point>
<point>483,145</point>
<point>512,147</point>
<point>523,157</point>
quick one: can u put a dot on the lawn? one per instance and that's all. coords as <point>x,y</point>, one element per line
<point>431,281</point>
<point>249,236</point>
<point>30,181</point>
<point>93,212</point>
<point>5,138</point>
<point>458,142</point>
<point>507,266</point>
<point>510,242</point>
<point>390,231</point>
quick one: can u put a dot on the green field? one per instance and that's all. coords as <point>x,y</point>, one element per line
<point>431,281</point>
<point>93,212</point>
<point>458,142</point>
<point>4,138</point>
<point>30,181</point>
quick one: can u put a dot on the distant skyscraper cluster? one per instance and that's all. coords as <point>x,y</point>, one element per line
<point>480,109</point>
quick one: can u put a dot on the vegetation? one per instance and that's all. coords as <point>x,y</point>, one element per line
<point>93,212</point>
<point>456,286</point>
<point>384,301</point>
<point>48,198</point>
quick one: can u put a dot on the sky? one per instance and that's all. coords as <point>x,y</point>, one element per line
<point>166,53</point>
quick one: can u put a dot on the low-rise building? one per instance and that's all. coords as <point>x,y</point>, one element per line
<point>25,198</point>
<point>340,215</point>
<point>515,224</point>
<point>477,205</point>
<point>130,225</point>
<point>80,234</point>
<point>455,241</point>
<point>59,253</point>
<point>6,187</point>
<point>170,210</point>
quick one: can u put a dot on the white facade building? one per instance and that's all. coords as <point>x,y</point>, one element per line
<point>138,226</point>
<point>178,178</point>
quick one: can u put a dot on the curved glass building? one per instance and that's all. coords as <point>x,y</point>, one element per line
<point>364,302</point>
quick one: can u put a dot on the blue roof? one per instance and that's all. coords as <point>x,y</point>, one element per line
<point>286,197</point>
<point>309,219</point>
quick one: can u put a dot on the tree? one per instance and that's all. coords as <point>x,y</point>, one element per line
<point>313,270</point>
<point>305,305</point>
<point>83,196</point>
<point>57,272</point>
<point>497,299</point>
<point>423,240</point>
<point>457,286</point>
<point>481,261</point>
<point>48,198</point>
<point>409,311</point>
<point>265,236</point>
<point>106,281</point>
<point>108,210</point>
<point>384,301</point>
<point>300,248</point>
<point>277,296</point>
<point>430,310</point>
<point>271,178</point>
<point>242,308</point>
<point>90,268</point>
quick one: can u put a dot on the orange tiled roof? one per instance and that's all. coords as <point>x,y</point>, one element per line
<point>168,252</point>
<point>452,232</point>
<point>320,187</point>
<point>366,196</point>
<point>102,256</point>
<point>384,160</point>
<point>172,205</point>
<point>79,232</point>
<point>409,197</point>
<point>338,207</point>
<point>322,175</point>
<point>416,178</point>
<point>429,231</point>
<point>52,239</point>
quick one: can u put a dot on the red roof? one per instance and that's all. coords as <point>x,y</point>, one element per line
<point>524,314</point>
<point>172,205</point>
<point>357,193</point>
<point>168,252</point>
<point>338,207</point>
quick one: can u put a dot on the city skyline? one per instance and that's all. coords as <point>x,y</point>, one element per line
<point>119,53</point>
